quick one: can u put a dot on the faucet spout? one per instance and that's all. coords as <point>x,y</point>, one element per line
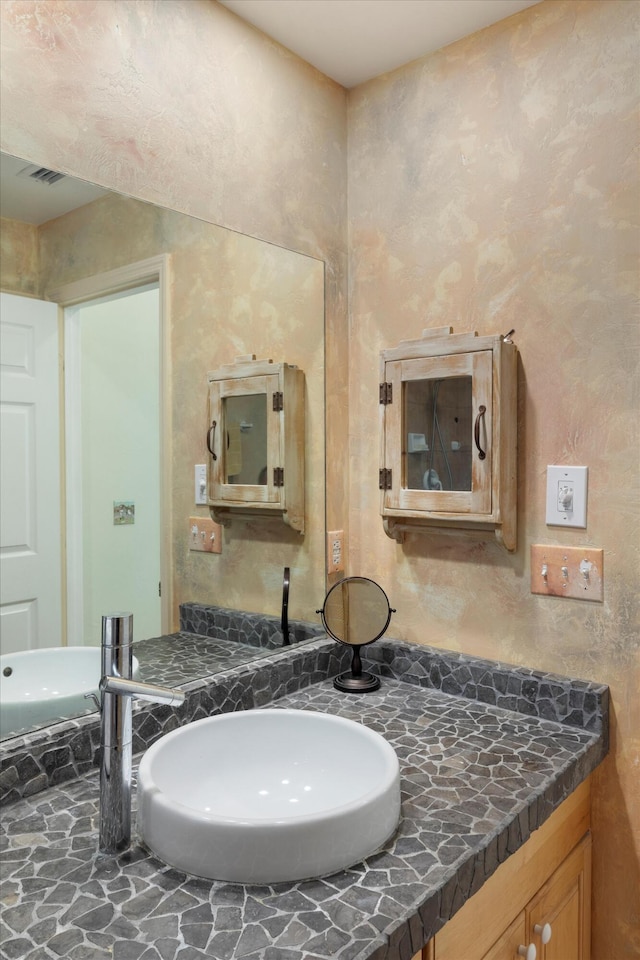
<point>173,697</point>
<point>117,690</point>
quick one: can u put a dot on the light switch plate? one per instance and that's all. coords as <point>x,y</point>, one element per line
<point>576,572</point>
<point>567,496</point>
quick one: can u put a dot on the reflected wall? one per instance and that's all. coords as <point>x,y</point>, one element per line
<point>230,295</point>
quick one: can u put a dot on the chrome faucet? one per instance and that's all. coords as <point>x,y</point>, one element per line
<point>117,689</point>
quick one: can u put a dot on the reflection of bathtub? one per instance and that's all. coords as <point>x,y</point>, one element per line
<point>41,686</point>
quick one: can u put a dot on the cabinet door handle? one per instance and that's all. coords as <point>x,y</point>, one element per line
<point>544,932</point>
<point>529,953</point>
<point>476,430</point>
<point>211,433</point>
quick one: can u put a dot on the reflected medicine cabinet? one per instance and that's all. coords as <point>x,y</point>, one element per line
<point>255,439</point>
<point>448,407</point>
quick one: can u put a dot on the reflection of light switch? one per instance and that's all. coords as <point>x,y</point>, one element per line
<point>416,443</point>
<point>205,535</point>
<point>200,483</point>
<point>567,496</point>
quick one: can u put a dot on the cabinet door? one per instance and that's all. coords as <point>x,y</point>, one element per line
<point>245,438</point>
<point>438,434</point>
<point>564,904</point>
<point>506,947</point>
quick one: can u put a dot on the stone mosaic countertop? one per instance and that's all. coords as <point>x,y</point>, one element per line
<point>170,659</point>
<point>476,780</point>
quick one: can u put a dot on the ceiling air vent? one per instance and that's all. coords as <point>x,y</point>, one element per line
<point>41,174</point>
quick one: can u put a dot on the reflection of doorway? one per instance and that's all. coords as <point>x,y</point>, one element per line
<point>112,424</point>
<point>101,287</point>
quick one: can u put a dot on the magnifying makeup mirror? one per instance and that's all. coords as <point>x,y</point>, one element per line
<point>356,611</point>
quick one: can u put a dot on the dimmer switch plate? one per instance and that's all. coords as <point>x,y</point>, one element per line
<point>567,496</point>
<point>200,480</point>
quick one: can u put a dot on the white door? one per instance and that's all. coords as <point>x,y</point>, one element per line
<point>30,544</point>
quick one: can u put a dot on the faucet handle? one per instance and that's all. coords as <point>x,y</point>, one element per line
<point>94,697</point>
<point>117,629</point>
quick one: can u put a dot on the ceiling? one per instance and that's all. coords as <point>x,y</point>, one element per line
<point>31,200</point>
<point>348,40</point>
<point>355,40</point>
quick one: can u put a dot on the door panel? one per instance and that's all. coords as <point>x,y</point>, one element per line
<point>30,546</point>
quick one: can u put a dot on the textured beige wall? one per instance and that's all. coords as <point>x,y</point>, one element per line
<point>18,257</point>
<point>493,185</point>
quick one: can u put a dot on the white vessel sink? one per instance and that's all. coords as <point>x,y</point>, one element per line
<point>49,684</point>
<point>263,796</point>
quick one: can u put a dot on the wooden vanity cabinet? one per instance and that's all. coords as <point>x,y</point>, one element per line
<point>256,442</point>
<point>547,881</point>
<point>448,435</point>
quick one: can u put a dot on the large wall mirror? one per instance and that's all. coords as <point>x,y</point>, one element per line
<point>224,295</point>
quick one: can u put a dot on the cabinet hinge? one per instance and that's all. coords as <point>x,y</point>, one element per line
<point>386,393</point>
<point>385,479</point>
<point>159,588</point>
<point>278,401</point>
<point>278,476</point>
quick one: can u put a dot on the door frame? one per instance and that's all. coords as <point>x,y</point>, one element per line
<point>152,270</point>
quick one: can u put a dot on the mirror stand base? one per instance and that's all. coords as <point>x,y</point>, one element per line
<point>348,683</point>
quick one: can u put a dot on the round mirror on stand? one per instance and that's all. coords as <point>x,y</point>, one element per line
<point>356,611</point>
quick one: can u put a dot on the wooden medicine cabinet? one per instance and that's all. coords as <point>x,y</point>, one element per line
<point>255,439</point>
<point>448,409</point>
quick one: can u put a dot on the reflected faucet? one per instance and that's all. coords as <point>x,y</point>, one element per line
<point>284,619</point>
<point>117,690</point>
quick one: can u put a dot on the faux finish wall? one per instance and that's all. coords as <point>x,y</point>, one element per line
<point>492,185</point>
<point>18,257</point>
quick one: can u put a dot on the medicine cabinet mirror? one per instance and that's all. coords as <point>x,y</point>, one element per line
<point>255,440</point>
<point>448,425</point>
